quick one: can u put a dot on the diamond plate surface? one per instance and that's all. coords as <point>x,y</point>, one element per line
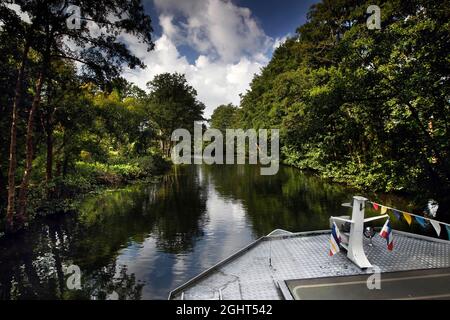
<point>251,277</point>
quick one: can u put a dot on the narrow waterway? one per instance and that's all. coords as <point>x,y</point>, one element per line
<point>142,241</point>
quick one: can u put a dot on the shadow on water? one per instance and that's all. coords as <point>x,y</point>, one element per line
<point>144,240</point>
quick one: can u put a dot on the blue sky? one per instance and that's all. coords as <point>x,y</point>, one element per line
<point>278,17</point>
<point>218,44</point>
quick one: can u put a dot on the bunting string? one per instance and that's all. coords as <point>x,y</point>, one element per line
<point>408,217</point>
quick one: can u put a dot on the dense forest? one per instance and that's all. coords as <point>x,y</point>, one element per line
<point>69,122</point>
<point>369,108</point>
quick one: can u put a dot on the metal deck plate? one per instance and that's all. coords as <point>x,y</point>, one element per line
<point>249,275</point>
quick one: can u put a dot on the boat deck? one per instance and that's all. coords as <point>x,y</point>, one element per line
<point>261,271</point>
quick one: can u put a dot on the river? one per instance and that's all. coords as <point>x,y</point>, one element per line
<point>142,241</point>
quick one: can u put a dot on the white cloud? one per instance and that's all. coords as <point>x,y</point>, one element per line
<point>218,28</point>
<point>231,48</point>
<point>15,7</point>
<point>169,29</point>
<point>279,41</point>
<point>216,82</point>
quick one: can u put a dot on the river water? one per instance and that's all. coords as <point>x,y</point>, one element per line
<point>142,241</point>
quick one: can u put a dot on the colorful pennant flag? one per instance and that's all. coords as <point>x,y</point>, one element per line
<point>421,221</point>
<point>437,226</point>
<point>335,240</point>
<point>407,217</point>
<point>397,214</point>
<point>386,233</point>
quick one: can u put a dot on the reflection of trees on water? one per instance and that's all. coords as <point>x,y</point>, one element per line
<point>34,268</point>
<point>289,200</point>
<point>108,283</point>
<point>32,264</point>
<point>180,210</point>
<point>172,210</point>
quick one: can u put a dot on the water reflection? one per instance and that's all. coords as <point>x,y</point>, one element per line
<point>290,200</point>
<point>33,264</point>
<point>144,240</point>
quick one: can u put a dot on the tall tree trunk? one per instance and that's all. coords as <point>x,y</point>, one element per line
<point>59,160</point>
<point>47,124</point>
<point>49,165</point>
<point>3,188</point>
<point>22,201</point>
<point>13,139</point>
<point>65,165</point>
<point>23,193</point>
<point>2,184</point>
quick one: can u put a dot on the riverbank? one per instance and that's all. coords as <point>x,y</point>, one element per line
<point>371,181</point>
<point>64,194</point>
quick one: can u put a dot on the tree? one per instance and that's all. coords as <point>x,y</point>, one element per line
<point>11,53</point>
<point>365,107</point>
<point>173,105</point>
<point>49,35</point>
<point>224,117</point>
<point>63,90</point>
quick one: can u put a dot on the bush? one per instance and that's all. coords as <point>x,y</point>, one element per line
<point>60,195</point>
<point>64,194</point>
<point>118,173</point>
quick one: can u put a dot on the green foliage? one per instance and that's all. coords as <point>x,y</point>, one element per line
<point>63,194</point>
<point>366,107</point>
<point>173,105</point>
<point>98,137</point>
<point>49,98</point>
<point>224,117</point>
<point>102,54</point>
<point>119,173</point>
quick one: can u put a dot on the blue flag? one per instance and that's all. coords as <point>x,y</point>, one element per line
<point>421,221</point>
<point>397,214</point>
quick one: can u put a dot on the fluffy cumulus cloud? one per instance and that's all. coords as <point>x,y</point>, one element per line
<point>230,45</point>
<point>215,27</point>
